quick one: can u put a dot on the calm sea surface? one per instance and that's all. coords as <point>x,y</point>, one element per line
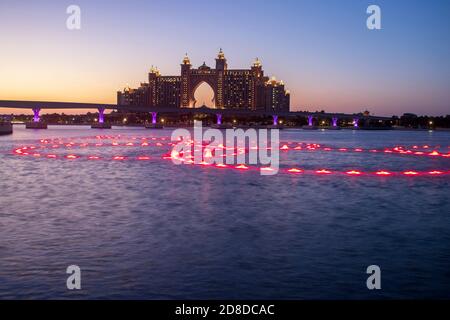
<point>152,230</point>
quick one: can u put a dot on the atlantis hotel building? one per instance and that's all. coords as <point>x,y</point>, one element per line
<point>245,89</point>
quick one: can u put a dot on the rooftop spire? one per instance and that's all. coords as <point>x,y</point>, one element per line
<point>221,55</point>
<point>186,59</point>
<point>257,62</point>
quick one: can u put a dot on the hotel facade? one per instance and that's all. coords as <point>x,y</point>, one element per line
<point>245,89</point>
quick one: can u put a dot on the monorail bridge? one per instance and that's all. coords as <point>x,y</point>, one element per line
<point>37,106</point>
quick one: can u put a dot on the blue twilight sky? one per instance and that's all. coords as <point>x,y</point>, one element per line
<point>321,49</point>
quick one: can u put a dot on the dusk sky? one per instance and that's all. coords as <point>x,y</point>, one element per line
<point>322,50</point>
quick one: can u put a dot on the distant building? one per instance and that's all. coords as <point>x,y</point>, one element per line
<point>233,88</point>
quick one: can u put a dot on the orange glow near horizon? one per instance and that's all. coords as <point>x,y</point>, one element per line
<point>94,81</point>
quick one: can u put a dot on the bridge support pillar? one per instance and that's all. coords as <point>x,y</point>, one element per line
<point>275,124</point>
<point>310,125</point>
<point>36,123</point>
<point>101,120</point>
<point>334,121</point>
<point>36,117</point>
<point>101,115</point>
<point>334,124</point>
<point>275,119</point>
<point>154,124</point>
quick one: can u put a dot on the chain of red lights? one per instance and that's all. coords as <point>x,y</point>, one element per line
<point>45,146</point>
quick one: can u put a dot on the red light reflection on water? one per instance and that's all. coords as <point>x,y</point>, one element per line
<point>70,145</point>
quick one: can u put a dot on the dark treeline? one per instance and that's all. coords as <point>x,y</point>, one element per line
<point>417,122</point>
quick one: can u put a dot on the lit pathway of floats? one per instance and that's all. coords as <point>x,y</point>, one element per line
<point>51,149</point>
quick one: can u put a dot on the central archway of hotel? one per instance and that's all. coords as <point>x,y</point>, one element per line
<point>204,95</point>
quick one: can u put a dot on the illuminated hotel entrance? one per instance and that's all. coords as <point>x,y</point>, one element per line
<point>204,95</point>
